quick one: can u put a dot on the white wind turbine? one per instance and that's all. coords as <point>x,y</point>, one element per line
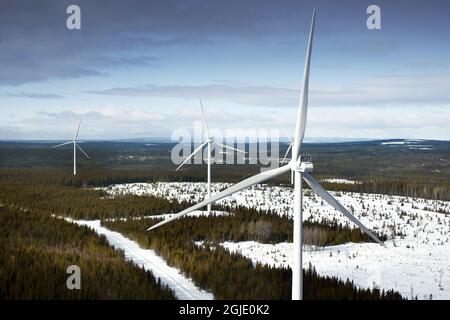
<point>75,146</point>
<point>289,147</point>
<point>209,141</point>
<point>301,169</point>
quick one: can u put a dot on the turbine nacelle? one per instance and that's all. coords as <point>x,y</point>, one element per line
<point>302,165</point>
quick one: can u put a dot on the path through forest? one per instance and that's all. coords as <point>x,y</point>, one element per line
<point>183,287</point>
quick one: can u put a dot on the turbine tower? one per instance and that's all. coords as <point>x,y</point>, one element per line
<point>301,167</point>
<point>75,146</point>
<point>209,142</point>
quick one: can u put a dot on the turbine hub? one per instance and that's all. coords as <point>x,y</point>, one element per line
<point>304,164</point>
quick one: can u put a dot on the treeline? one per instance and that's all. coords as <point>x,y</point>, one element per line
<point>82,203</point>
<point>229,275</point>
<point>406,187</point>
<point>247,224</point>
<point>35,251</point>
<point>89,177</point>
<point>333,233</point>
<point>102,177</point>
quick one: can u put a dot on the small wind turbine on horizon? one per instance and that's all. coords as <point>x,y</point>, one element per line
<point>301,167</point>
<point>75,146</point>
<point>289,147</point>
<point>209,140</point>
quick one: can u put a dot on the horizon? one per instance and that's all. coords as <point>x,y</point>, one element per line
<point>313,140</point>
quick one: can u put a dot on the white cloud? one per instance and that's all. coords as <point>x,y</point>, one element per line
<point>379,91</point>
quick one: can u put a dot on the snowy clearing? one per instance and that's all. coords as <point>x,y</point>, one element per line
<point>393,142</point>
<point>183,287</point>
<point>410,143</point>
<point>416,263</point>
<point>402,218</point>
<point>341,181</point>
<point>412,272</point>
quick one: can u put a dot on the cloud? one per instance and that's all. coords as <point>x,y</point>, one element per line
<point>378,91</point>
<point>429,122</point>
<point>32,95</point>
<point>120,122</point>
<point>250,95</point>
<point>35,44</point>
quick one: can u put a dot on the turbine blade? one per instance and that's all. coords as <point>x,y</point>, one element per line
<point>62,144</point>
<point>287,135</point>
<point>317,188</point>
<point>261,177</point>
<point>287,151</point>
<point>78,130</point>
<point>82,150</point>
<point>192,154</point>
<point>228,147</point>
<point>204,120</point>
<point>303,107</point>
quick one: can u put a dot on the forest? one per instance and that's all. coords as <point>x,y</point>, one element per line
<point>381,168</point>
<point>35,251</point>
<point>37,186</point>
<point>80,203</point>
<point>231,276</point>
<point>33,203</point>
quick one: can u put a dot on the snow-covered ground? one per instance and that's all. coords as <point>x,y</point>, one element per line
<point>393,142</point>
<point>341,181</point>
<point>404,218</point>
<point>412,272</point>
<point>183,287</point>
<point>416,263</point>
<point>412,144</point>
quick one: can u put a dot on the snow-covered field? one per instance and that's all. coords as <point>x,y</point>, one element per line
<point>341,181</point>
<point>412,272</point>
<point>416,263</point>
<point>183,287</point>
<point>412,144</point>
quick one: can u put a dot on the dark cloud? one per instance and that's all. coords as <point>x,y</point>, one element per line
<point>37,46</point>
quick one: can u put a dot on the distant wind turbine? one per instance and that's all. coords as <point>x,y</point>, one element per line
<point>289,147</point>
<point>209,141</point>
<point>75,146</point>
<point>301,168</point>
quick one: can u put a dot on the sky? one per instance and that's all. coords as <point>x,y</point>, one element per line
<point>136,69</point>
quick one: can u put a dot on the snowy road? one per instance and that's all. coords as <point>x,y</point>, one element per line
<point>183,287</point>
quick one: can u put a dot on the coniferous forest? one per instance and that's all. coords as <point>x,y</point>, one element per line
<point>36,246</point>
<point>231,276</point>
<point>35,251</point>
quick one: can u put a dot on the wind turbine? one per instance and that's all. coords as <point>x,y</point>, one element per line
<point>209,141</point>
<point>75,146</point>
<point>301,168</point>
<point>289,147</point>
